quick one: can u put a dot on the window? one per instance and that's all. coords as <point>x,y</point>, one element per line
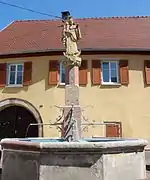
<point>61,74</point>
<point>14,74</point>
<point>110,72</point>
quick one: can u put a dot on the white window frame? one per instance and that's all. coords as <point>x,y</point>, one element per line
<point>8,75</point>
<point>60,74</point>
<point>117,72</point>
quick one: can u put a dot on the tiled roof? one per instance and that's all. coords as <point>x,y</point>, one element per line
<point>97,33</point>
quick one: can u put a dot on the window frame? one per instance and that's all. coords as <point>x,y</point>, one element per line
<point>60,74</point>
<point>117,71</point>
<point>8,74</point>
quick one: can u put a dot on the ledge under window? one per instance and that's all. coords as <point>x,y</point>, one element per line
<point>110,84</point>
<point>61,84</point>
<point>14,86</point>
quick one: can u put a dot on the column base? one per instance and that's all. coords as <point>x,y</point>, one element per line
<point>72,123</point>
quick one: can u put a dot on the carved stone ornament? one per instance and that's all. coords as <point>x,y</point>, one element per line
<point>70,36</point>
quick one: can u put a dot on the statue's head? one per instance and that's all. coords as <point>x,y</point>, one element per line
<point>66,17</point>
<point>70,20</point>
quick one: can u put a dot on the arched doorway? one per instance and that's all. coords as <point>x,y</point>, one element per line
<point>15,117</point>
<point>15,121</point>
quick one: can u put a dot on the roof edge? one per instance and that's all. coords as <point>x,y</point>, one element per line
<point>84,51</point>
<point>116,49</point>
<point>84,18</point>
<point>5,27</point>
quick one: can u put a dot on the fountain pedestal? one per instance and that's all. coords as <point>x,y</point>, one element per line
<point>107,159</point>
<point>72,109</point>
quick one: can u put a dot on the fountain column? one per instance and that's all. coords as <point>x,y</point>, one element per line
<point>72,110</point>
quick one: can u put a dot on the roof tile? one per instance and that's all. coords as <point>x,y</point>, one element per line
<point>40,35</point>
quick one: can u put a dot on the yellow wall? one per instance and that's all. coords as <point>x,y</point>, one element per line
<point>130,105</point>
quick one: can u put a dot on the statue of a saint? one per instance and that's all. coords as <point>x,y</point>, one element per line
<point>70,36</point>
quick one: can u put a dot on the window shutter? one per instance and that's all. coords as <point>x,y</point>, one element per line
<point>53,72</point>
<point>27,77</point>
<point>124,72</point>
<point>83,73</point>
<point>147,71</point>
<point>3,74</point>
<point>96,72</point>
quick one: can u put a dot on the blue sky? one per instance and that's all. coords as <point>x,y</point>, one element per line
<point>78,8</point>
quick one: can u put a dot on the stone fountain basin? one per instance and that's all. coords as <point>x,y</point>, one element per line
<point>90,159</point>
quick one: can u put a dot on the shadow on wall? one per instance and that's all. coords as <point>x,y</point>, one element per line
<point>13,90</point>
<point>70,160</point>
<point>140,65</point>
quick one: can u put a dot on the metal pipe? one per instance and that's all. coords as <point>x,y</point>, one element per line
<point>44,124</point>
<point>97,123</point>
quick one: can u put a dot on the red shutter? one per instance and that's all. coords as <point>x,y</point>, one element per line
<point>96,72</point>
<point>3,74</point>
<point>27,78</point>
<point>53,72</point>
<point>112,130</point>
<point>83,73</point>
<point>124,72</point>
<point>147,71</point>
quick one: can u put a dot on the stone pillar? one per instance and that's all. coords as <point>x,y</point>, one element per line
<point>72,110</point>
<point>72,75</point>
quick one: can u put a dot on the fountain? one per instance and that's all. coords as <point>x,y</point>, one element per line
<point>71,156</point>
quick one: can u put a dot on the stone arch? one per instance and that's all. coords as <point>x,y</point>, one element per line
<point>25,104</point>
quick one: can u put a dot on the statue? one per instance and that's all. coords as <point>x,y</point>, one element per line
<point>70,36</point>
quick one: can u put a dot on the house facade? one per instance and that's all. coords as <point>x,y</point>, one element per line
<point>114,77</point>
